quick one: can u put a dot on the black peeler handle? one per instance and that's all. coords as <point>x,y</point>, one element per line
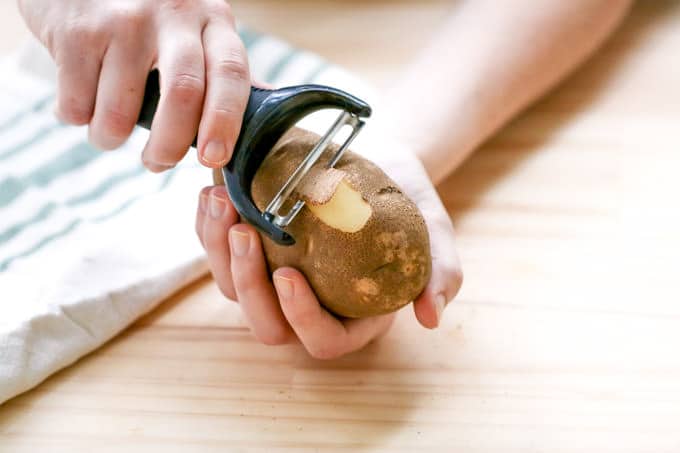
<point>268,115</point>
<point>152,95</point>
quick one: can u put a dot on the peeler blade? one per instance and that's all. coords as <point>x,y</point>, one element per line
<point>271,213</point>
<point>268,115</point>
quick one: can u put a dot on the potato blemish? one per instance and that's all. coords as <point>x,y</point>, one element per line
<point>366,286</point>
<point>362,244</point>
<point>408,269</point>
<point>394,244</point>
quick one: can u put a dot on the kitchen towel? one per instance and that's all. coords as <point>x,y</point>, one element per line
<point>90,241</point>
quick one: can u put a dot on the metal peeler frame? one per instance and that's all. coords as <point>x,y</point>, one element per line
<point>270,114</point>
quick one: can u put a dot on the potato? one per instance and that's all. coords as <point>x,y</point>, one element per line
<point>362,244</point>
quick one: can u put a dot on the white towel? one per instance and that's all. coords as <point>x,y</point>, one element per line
<point>90,241</point>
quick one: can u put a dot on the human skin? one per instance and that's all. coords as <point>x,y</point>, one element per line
<point>104,51</point>
<point>487,63</point>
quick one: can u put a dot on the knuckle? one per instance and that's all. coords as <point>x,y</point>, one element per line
<point>224,118</point>
<point>212,237</point>
<point>80,32</point>
<point>117,123</point>
<point>179,5</point>
<point>186,89</point>
<point>245,286</point>
<point>232,66</point>
<point>129,19</point>
<point>74,111</point>
<point>221,8</point>
<point>303,319</point>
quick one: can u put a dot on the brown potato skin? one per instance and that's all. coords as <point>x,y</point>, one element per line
<point>374,271</point>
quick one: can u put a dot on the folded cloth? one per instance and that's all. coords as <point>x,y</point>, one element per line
<point>91,241</point>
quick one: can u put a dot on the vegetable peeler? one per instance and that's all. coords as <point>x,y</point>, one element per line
<point>268,115</point>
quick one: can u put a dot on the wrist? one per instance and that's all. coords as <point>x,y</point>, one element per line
<point>390,136</point>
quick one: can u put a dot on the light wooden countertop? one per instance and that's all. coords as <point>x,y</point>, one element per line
<point>565,337</point>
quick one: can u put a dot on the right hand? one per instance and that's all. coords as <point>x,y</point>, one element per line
<point>104,51</point>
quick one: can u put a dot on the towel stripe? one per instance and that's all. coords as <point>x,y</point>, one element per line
<point>36,106</point>
<point>316,72</point>
<point>280,65</point>
<point>22,146</point>
<point>40,244</point>
<point>248,37</point>
<point>17,228</point>
<point>48,209</point>
<point>125,205</point>
<point>74,158</point>
<point>50,238</point>
<point>106,185</point>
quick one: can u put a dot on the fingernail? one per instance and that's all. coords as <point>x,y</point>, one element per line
<point>284,287</point>
<point>240,242</point>
<point>439,304</point>
<point>215,153</point>
<point>217,206</point>
<point>157,168</point>
<point>203,203</point>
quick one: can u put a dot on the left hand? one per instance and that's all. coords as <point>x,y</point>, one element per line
<point>284,308</point>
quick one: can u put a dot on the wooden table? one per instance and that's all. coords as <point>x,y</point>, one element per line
<point>566,336</point>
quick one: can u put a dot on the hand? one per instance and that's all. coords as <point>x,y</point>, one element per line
<point>402,165</point>
<point>278,312</point>
<point>104,51</point>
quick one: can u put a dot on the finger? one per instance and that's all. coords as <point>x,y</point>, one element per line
<point>264,85</point>
<point>78,67</point>
<point>218,217</point>
<point>253,287</point>
<point>201,212</point>
<point>228,89</point>
<point>447,277</point>
<point>323,335</point>
<point>182,85</point>
<point>442,288</point>
<point>119,97</point>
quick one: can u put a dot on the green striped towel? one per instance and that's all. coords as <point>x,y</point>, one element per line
<point>90,241</point>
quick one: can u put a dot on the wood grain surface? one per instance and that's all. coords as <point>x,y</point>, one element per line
<point>566,335</point>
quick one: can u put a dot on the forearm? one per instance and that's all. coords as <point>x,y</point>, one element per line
<point>489,62</point>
